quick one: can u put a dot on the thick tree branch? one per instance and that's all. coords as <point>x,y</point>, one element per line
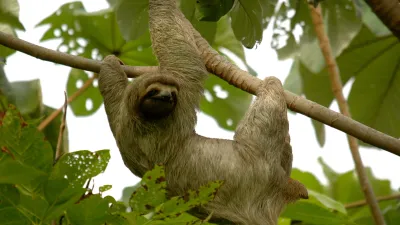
<point>337,89</point>
<point>388,11</point>
<point>219,66</point>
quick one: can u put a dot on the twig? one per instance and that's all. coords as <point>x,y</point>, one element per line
<point>380,199</point>
<point>336,85</point>
<point>62,128</point>
<point>53,115</point>
<point>238,78</point>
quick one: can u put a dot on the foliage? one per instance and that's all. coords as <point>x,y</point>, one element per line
<point>35,190</point>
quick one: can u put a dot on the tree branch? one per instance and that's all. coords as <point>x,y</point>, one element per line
<point>380,199</point>
<point>388,11</point>
<point>234,76</point>
<point>337,89</point>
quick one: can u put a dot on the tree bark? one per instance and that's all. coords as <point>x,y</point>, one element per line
<point>388,11</point>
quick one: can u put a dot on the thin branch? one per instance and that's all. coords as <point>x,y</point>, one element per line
<point>337,89</point>
<point>234,76</point>
<point>380,199</point>
<point>62,128</point>
<point>53,115</point>
<point>388,11</point>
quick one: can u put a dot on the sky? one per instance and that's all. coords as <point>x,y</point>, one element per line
<point>93,133</point>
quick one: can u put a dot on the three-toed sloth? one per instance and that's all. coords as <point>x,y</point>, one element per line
<point>153,121</point>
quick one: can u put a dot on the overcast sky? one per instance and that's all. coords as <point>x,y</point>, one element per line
<point>93,133</point>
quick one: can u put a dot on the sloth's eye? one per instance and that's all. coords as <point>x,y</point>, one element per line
<point>152,92</point>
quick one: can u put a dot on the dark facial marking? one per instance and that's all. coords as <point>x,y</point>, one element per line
<point>157,103</point>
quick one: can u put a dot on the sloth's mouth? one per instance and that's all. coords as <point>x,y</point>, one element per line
<point>158,107</point>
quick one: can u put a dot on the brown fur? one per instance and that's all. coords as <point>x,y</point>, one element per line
<point>255,166</point>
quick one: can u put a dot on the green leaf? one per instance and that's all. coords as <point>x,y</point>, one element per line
<point>77,167</point>
<point>105,188</point>
<point>22,143</point>
<point>28,96</point>
<point>132,17</point>
<point>212,10</point>
<point>177,205</point>
<point>9,13</point>
<point>16,172</point>
<point>63,25</point>
<point>247,23</point>
<point>313,212</point>
<point>373,99</point>
<point>308,179</point>
<point>206,29</point>
<point>341,22</point>
<point>293,82</point>
<point>151,193</point>
<point>225,103</point>
<point>90,100</point>
<point>90,211</point>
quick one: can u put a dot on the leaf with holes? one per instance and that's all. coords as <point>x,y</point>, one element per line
<point>77,167</point>
<point>63,25</point>
<point>89,100</point>
<point>151,193</point>
<point>177,205</point>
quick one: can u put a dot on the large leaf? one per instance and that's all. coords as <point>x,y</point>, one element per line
<point>132,17</point>
<point>28,96</point>
<point>77,167</point>
<point>22,148</point>
<point>364,59</point>
<point>91,211</point>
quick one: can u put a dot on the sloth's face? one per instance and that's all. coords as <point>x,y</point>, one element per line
<point>158,101</point>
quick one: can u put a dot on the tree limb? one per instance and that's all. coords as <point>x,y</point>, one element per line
<point>337,89</point>
<point>234,76</point>
<point>388,11</point>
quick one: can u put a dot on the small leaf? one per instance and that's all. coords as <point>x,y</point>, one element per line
<point>9,13</point>
<point>177,205</point>
<point>151,193</point>
<point>105,188</point>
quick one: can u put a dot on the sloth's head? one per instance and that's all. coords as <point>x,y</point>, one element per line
<point>158,100</point>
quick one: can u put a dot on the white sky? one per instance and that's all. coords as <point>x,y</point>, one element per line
<point>93,133</point>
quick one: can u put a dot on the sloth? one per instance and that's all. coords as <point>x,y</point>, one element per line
<point>153,121</point>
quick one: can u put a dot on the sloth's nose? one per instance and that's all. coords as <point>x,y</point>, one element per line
<point>165,96</point>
